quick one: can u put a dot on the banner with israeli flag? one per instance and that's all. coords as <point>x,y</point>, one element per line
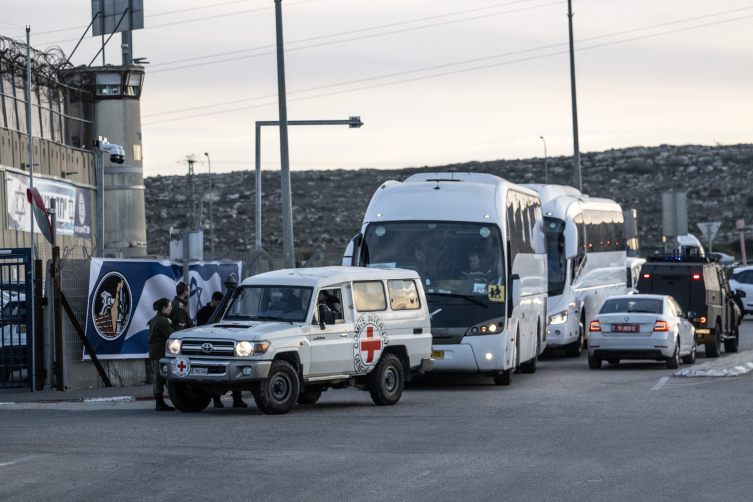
<point>122,292</point>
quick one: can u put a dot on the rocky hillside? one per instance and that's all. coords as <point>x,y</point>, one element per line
<point>328,206</point>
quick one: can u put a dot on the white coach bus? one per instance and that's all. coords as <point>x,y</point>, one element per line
<point>586,252</point>
<point>478,243</point>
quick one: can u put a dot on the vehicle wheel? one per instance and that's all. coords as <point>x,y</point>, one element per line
<point>731,345</point>
<point>277,394</point>
<point>714,348</point>
<point>594,362</point>
<point>613,361</point>
<point>504,378</point>
<point>690,358</point>
<point>573,349</point>
<point>310,396</point>
<point>673,362</point>
<point>187,398</point>
<point>530,365</point>
<point>386,381</point>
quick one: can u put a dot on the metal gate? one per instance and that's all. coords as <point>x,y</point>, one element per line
<point>16,358</point>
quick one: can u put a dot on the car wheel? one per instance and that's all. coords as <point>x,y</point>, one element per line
<point>573,349</point>
<point>277,394</point>
<point>673,362</point>
<point>311,395</point>
<point>594,362</point>
<point>714,347</point>
<point>690,358</point>
<point>386,381</point>
<point>504,377</point>
<point>613,361</point>
<point>732,345</point>
<point>187,398</point>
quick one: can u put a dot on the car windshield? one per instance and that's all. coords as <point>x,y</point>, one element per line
<point>270,303</point>
<point>555,254</point>
<point>626,305</point>
<point>451,258</point>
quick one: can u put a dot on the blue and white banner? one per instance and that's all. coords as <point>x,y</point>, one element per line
<point>122,292</point>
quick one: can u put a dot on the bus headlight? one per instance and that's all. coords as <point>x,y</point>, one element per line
<point>173,346</point>
<point>558,318</point>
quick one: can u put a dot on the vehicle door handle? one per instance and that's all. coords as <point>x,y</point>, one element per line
<point>343,335</point>
<point>318,338</point>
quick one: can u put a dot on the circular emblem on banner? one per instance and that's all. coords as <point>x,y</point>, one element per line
<point>370,341</point>
<point>112,306</point>
<point>181,366</point>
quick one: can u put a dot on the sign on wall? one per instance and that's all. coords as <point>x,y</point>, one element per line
<point>122,292</point>
<point>74,205</point>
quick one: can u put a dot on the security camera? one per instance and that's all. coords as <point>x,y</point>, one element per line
<point>114,157</point>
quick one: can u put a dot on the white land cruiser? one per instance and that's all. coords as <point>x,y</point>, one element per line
<point>289,335</point>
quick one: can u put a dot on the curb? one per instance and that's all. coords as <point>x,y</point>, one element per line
<point>724,372</point>
<point>116,399</point>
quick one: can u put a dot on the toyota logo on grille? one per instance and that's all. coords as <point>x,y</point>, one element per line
<point>206,347</point>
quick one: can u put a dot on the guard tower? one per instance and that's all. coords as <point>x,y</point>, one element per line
<point>117,116</point>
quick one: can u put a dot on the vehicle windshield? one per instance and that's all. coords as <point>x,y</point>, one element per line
<point>451,258</point>
<point>269,303</point>
<point>626,305</point>
<point>555,254</point>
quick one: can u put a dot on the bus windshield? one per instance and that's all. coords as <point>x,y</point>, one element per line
<point>451,258</point>
<point>555,254</point>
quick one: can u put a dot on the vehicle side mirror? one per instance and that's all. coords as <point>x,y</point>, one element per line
<point>353,251</point>
<point>515,290</point>
<point>571,240</point>
<point>740,294</point>
<point>691,314</point>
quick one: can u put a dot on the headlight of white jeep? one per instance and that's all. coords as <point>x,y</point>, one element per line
<point>243,349</point>
<point>173,346</point>
<point>558,318</point>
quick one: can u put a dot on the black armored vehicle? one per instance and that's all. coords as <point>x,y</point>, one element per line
<point>699,285</point>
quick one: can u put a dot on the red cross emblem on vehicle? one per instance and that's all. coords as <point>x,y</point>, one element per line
<point>370,344</point>
<point>181,366</point>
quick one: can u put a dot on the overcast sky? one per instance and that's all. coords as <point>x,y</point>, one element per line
<point>689,86</point>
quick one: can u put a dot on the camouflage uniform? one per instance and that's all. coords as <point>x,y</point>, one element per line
<point>160,329</point>
<point>179,315</point>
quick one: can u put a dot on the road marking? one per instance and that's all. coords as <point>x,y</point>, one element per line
<point>109,399</point>
<point>18,461</point>
<point>750,364</point>
<point>660,383</point>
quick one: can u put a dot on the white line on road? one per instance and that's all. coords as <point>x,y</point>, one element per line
<point>660,383</point>
<point>19,460</point>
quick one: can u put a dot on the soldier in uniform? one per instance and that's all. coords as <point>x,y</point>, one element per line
<point>205,312</point>
<point>160,329</point>
<point>180,317</point>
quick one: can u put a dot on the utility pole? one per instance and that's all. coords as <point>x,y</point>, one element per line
<point>211,216</point>
<point>287,206</point>
<point>31,185</point>
<point>577,183</point>
<point>546,168</point>
<point>126,37</point>
<point>102,27</point>
<point>191,160</point>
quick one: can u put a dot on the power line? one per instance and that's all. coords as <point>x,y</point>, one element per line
<point>405,30</point>
<point>458,63</point>
<point>344,33</point>
<point>193,20</point>
<point>458,71</point>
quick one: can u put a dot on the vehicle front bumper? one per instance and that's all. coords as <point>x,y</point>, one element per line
<point>631,348</point>
<point>219,370</point>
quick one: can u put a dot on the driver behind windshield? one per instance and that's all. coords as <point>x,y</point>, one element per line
<point>475,272</point>
<point>287,303</point>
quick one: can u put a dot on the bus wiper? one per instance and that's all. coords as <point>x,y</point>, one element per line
<point>464,297</point>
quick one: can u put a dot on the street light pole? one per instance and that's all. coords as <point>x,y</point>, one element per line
<point>211,214</point>
<point>546,168</point>
<point>31,185</point>
<point>287,207</point>
<point>352,122</point>
<point>576,147</point>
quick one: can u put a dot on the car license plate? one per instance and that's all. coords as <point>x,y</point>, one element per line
<point>437,354</point>
<point>199,371</point>
<point>626,327</point>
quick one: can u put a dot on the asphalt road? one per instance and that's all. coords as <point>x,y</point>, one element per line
<point>565,433</point>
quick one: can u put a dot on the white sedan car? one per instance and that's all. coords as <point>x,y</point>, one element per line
<point>641,327</point>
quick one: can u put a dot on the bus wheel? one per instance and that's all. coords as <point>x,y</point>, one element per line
<point>530,365</point>
<point>573,349</point>
<point>504,377</point>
